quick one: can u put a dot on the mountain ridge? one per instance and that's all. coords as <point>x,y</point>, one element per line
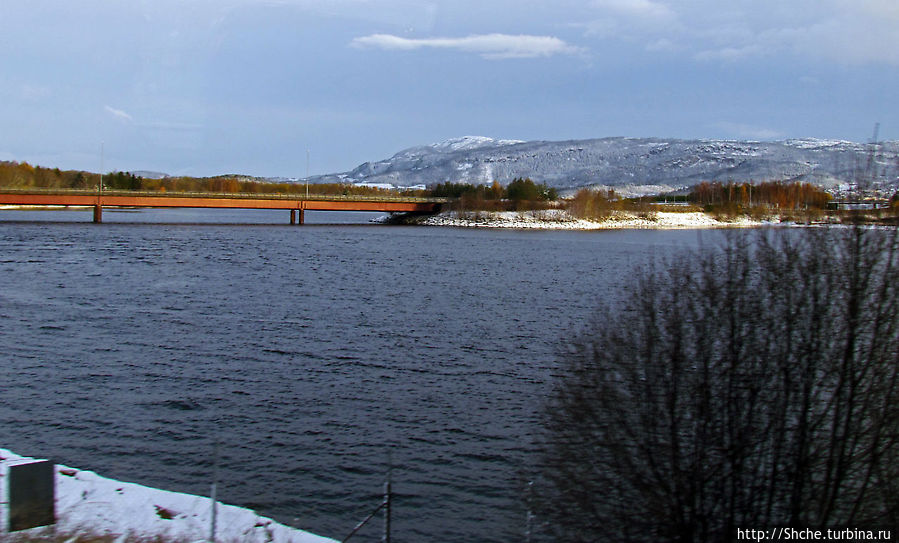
<point>667,163</point>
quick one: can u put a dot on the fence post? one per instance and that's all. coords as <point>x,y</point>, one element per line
<point>385,505</point>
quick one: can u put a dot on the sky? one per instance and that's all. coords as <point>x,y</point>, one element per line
<point>209,87</point>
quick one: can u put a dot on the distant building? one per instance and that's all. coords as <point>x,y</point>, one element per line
<point>385,186</point>
<point>858,204</point>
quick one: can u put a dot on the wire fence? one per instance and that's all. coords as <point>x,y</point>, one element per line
<point>43,501</point>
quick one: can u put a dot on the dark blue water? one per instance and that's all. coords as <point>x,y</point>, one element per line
<point>310,353</point>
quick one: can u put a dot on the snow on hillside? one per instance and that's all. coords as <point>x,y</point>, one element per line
<point>468,143</point>
<point>639,162</point>
<point>90,504</point>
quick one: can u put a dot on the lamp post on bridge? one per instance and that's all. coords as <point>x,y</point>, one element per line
<point>303,205</point>
<point>98,209</point>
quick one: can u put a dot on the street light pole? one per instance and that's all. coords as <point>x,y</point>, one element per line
<point>98,208</point>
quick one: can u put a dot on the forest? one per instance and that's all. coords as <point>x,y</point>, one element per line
<point>24,175</point>
<point>778,194</point>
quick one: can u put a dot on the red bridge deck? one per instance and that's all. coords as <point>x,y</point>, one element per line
<point>294,203</point>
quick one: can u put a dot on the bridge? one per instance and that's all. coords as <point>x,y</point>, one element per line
<point>295,203</point>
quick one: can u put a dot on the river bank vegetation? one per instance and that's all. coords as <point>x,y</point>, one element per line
<point>725,202</point>
<point>752,384</point>
<point>519,195</point>
<point>17,175</point>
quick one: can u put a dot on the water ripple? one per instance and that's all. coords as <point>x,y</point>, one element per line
<point>311,356</point>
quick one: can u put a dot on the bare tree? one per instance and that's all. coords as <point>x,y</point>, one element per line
<point>749,386</point>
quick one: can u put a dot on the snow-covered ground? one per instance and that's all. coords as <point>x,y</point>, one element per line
<point>90,504</point>
<point>561,220</point>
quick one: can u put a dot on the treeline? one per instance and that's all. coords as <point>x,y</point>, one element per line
<point>777,194</point>
<point>714,197</point>
<point>521,193</point>
<point>24,175</point>
<point>233,184</point>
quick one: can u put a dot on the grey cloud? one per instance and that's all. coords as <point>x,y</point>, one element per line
<point>848,31</point>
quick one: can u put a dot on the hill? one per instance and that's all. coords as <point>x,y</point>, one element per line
<point>633,164</point>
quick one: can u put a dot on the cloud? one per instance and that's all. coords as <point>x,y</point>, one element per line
<point>643,9</point>
<point>846,31</point>
<point>850,39</point>
<point>851,32</point>
<point>880,8</point>
<point>118,113</point>
<point>859,33</point>
<point>489,46</point>
<point>636,21</point>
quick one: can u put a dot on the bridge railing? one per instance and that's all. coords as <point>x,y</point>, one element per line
<point>228,195</point>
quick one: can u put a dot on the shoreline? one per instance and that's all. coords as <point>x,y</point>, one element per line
<point>91,505</point>
<point>22,207</point>
<point>555,219</point>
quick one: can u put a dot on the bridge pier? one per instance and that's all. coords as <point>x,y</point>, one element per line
<point>98,214</point>
<point>293,217</point>
<point>302,216</point>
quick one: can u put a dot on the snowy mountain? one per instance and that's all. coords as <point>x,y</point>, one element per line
<point>150,174</point>
<point>641,164</point>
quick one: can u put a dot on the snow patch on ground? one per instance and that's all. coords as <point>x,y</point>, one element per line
<point>90,504</point>
<point>557,219</point>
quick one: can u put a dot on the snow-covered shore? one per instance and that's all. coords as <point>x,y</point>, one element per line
<point>87,503</point>
<point>561,220</point>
